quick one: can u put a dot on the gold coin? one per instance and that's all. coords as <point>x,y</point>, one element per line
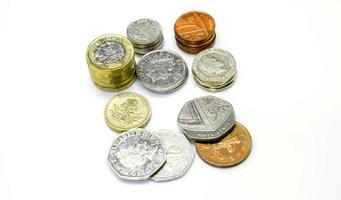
<point>110,52</point>
<point>126,111</point>
<point>229,151</point>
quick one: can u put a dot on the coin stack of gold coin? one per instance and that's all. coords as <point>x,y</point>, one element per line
<point>195,31</point>
<point>111,62</point>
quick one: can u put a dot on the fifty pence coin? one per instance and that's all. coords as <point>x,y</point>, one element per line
<point>229,151</point>
<point>206,118</point>
<point>126,111</point>
<point>162,71</point>
<point>180,155</point>
<point>137,154</point>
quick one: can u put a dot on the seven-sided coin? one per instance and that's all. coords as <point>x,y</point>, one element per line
<point>137,154</point>
<point>206,118</point>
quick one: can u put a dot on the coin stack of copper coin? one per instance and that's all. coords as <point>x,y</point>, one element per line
<point>111,62</point>
<point>195,31</point>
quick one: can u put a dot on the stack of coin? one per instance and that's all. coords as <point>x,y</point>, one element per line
<point>162,71</point>
<point>145,35</point>
<point>160,155</point>
<point>195,31</point>
<point>111,62</point>
<point>214,69</point>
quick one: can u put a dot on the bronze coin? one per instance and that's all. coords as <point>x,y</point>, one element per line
<point>229,151</point>
<point>206,43</point>
<point>194,27</point>
<point>195,50</point>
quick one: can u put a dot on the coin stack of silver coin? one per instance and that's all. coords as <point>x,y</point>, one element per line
<point>214,69</point>
<point>145,35</point>
<point>207,118</point>
<point>162,71</point>
<point>140,154</point>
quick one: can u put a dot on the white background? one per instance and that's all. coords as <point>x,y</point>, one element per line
<point>53,138</point>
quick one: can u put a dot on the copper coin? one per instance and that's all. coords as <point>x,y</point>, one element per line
<point>206,43</point>
<point>194,50</point>
<point>229,151</point>
<point>194,27</point>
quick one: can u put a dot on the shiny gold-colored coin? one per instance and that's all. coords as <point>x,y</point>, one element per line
<point>229,151</point>
<point>126,111</point>
<point>111,62</point>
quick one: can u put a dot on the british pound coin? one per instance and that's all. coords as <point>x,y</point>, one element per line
<point>137,154</point>
<point>162,71</point>
<point>179,155</point>
<point>111,62</point>
<point>229,151</point>
<point>206,118</point>
<point>126,111</point>
<point>214,68</point>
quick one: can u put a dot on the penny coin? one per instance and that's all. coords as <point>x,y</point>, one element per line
<point>194,27</point>
<point>137,154</point>
<point>126,111</point>
<point>162,71</point>
<point>206,118</point>
<point>180,155</point>
<point>229,151</point>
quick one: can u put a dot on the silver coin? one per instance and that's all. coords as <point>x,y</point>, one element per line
<point>180,155</point>
<point>214,66</point>
<point>109,52</point>
<point>206,118</point>
<point>144,31</point>
<point>137,154</point>
<point>217,88</point>
<point>145,50</point>
<point>162,71</point>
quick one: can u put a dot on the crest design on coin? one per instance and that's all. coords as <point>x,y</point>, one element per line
<point>229,151</point>
<point>179,155</point>
<point>206,118</point>
<point>144,31</point>
<point>162,71</point>
<point>195,26</point>
<point>126,111</point>
<point>137,154</point>
<point>109,52</point>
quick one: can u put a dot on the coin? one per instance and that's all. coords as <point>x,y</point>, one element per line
<point>206,118</point>
<point>229,151</point>
<point>214,68</point>
<point>137,154</point>
<point>179,155</point>
<point>162,71</point>
<point>195,31</point>
<point>195,27</point>
<point>126,111</point>
<point>145,35</point>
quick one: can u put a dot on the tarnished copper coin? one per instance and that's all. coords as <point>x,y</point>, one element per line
<point>194,27</point>
<point>229,151</point>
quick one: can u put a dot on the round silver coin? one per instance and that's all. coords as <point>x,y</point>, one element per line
<point>137,154</point>
<point>162,71</point>
<point>180,155</point>
<point>206,118</point>
<point>214,66</point>
<point>143,31</point>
